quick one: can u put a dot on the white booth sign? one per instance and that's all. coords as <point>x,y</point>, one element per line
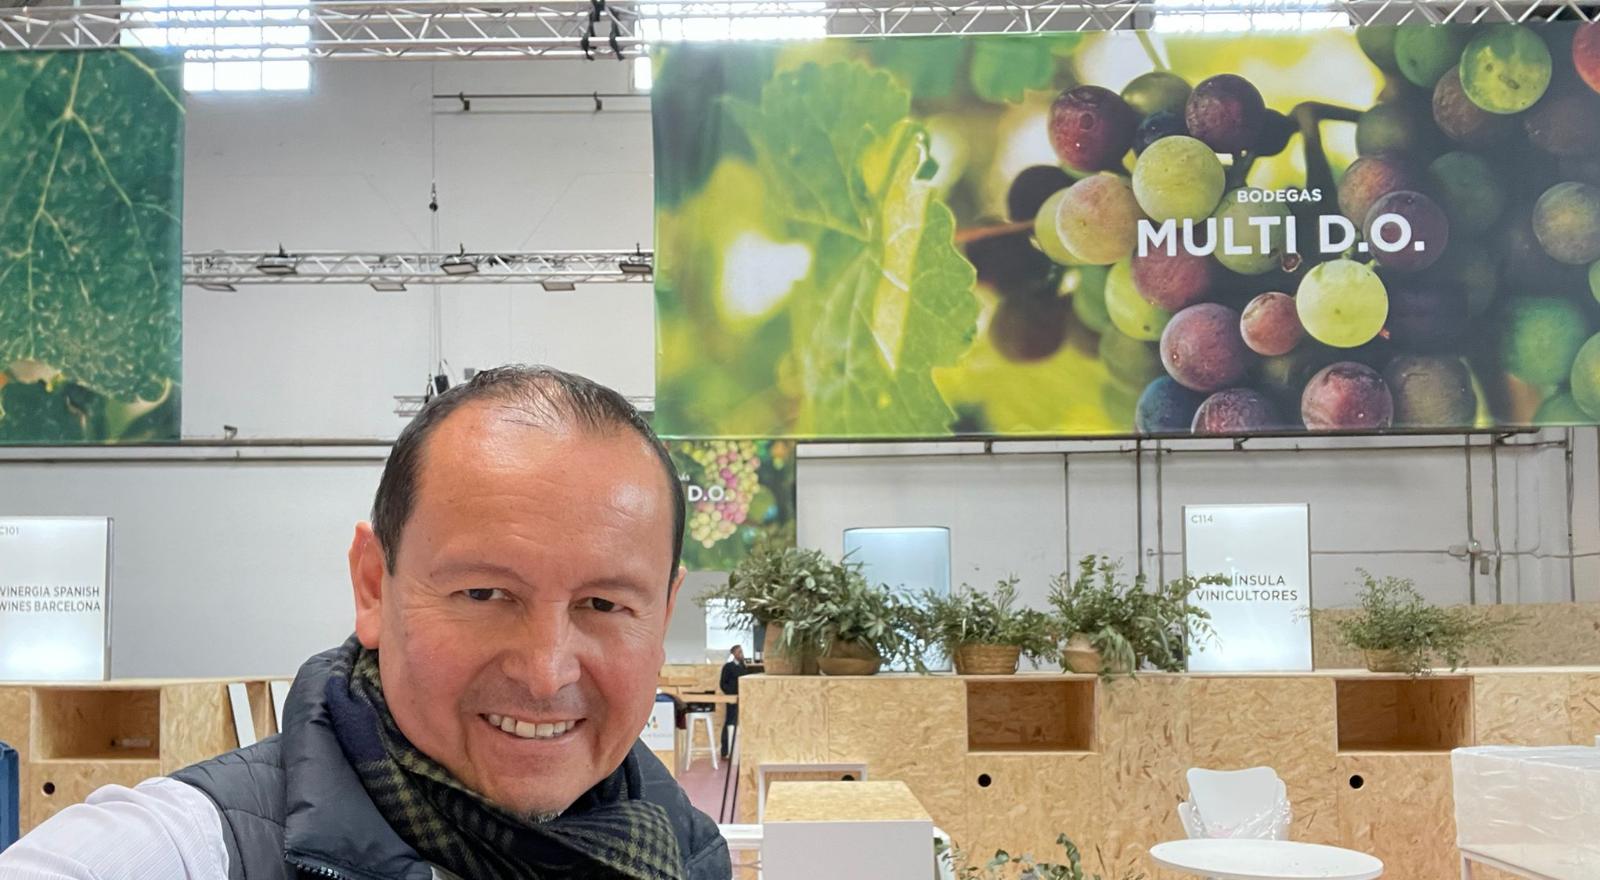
<point>1262,617</point>
<point>660,730</point>
<point>55,574</point>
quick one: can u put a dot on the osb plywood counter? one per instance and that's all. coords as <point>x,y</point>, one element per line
<point>72,738</point>
<point>1010,762</point>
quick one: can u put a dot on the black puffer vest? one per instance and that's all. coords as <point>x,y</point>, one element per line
<point>292,807</point>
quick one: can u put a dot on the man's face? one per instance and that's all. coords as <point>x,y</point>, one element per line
<point>521,633</point>
<point>738,653</point>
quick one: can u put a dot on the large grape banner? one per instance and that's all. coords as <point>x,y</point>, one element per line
<point>1130,233</point>
<point>739,493</point>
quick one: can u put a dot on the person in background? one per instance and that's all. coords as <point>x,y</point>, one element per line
<point>512,595</point>
<point>731,672</point>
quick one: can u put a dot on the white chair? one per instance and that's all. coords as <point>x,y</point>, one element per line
<point>706,719</point>
<point>1251,803</point>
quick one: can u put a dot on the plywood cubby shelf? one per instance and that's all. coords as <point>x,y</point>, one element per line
<point>1414,715</point>
<point>1016,715</point>
<point>79,724</point>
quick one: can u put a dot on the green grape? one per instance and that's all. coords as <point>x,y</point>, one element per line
<point>1048,236</point>
<point>1157,91</point>
<point>1129,311</point>
<point>1562,409</point>
<point>1088,290</point>
<point>1342,303</point>
<point>1506,69</point>
<point>1566,220</point>
<point>1585,377</point>
<point>1098,219</point>
<point>1237,214</point>
<point>1130,361</point>
<point>1178,178</point>
<point>1424,52</point>
<point>1393,127</point>
<point>1539,336</point>
<point>1469,190</point>
<point>1377,41</point>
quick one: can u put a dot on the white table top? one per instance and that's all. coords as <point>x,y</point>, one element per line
<point>1245,859</point>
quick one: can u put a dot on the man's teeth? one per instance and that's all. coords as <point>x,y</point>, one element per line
<point>528,729</point>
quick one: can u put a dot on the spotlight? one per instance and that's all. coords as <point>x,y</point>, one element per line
<point>552,286</point>
<point>458,264</point>
<point>441,383</point>
<point>276,264</point>
<point>217,286</point>
<point>634,266</point>
<point>388,286</point>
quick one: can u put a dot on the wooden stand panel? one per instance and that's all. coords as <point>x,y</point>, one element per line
<point>1042,716</point>
<point>1383,714</point>
<point>196,724</point>
<point>910,728</point>
<point>1284,723</point>
<point>1583,709</point>
<point>1143,733</point>
<point>55,785</point>
<point>783,719</point>
<point>15,712</point>
<point>1522,710</point>
<point>1029,800</point>
<point>83,723</point>
<point>1403,812</point>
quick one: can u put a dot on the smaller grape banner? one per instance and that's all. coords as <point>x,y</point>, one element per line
<point>1130,234</point>
<point>738,492</point>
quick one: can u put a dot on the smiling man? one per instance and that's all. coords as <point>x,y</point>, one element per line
<point>512,597</point>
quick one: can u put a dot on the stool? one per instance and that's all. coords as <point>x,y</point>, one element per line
<point>711,738</point>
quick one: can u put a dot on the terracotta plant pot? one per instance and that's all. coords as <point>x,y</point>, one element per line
<point>778,660</point>
<point>1386,661</point>
<point>987,659</point>
<point>1080,655</point>
<point>850,658</point>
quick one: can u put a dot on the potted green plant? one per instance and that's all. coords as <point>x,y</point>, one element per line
<point>780,588</point>
<point>859,625</point>
<point>1004,865</point>
<point>982,633</point>
<point>1397,630</point>
<point>1114,625</point>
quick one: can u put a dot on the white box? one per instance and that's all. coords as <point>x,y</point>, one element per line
<point>1536,808</point>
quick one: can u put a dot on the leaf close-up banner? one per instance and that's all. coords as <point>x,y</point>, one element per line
<point>1130,233</point>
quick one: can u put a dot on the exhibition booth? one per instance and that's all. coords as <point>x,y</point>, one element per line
<point>1116,440</point>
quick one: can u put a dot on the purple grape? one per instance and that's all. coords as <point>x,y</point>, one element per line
<point>1463,121</point>
<point>1430,231</point>
<point>1565,124</point>
<point>1431,392</point>
<point>1271,325</point>
<point>1236,411</point>
<point>1370,178</point>
<point>1030,188</point>
<point>1166,407</point>
<point>1173,282</point>
<point>1029,328</point>
<point>1010,263</point>
<point>1226,112</point>
<point>1091,128</point>
<point>1160,124</point>
<point>1425,316</point>
<point>1202,349</point>
<point>1347,396</point>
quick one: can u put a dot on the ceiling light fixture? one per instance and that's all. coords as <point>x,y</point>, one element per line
<point>218,286</point>
<point>636,264</point>
<point>388,286</point>
<point>276,264</point>
<point>458,264</point>
<point>558,286</point>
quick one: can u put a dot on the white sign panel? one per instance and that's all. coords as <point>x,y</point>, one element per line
<point>658,731</point>
<point>54,575</point>
<point>1262,617</point>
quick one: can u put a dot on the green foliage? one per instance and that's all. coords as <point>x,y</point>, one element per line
<point>57,411</point>
<point>90,273</point>
<point>776,583</point>
<point>692,134</point>
<point>925,66</point>
<point>857,611</point>
<point>847,167</point>
<point>974,617</point>
<point>1129,622</point>
<point>1004,865</point>
<point>1395,617</point>
<point>1003,68</point>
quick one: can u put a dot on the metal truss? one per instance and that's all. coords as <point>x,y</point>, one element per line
<point>618,28</point>
<point>226,270</point>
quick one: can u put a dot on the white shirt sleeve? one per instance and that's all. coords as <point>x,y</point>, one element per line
<point>163,829</point>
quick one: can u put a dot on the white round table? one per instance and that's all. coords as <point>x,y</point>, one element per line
<point>1244,859</point>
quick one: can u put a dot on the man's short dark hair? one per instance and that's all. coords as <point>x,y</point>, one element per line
<point>548,398</point>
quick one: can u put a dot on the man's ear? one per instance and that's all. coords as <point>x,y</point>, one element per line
<point>367,570</point>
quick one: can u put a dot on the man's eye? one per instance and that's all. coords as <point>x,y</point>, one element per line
<point>485,594</point>
<point>598,604</point>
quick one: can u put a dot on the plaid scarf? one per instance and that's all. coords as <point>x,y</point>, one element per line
<point>610,833</point>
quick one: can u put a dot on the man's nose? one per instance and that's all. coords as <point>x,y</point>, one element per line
<point>544,660</point>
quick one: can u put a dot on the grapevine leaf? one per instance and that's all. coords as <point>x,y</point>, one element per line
<point>90,276</point>
<point>1004,68</point>
<point>925,66</point>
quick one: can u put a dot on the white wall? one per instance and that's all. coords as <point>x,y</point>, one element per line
<point>225,568</point>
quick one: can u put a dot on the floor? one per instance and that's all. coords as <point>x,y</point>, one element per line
<point>704,787</point>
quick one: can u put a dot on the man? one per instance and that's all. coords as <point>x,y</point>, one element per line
<point>512,596</point>
<point>731,671</point>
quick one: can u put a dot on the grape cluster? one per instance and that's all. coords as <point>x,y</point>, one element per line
<point>730,478</point>
<point>1485,142</point>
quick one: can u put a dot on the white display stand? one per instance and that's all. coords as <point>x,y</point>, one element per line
<point>1529,811</point>
<point>659,730</point>
<point>846,831</point>
<point>55,576</point>
<point>1262,619</point>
